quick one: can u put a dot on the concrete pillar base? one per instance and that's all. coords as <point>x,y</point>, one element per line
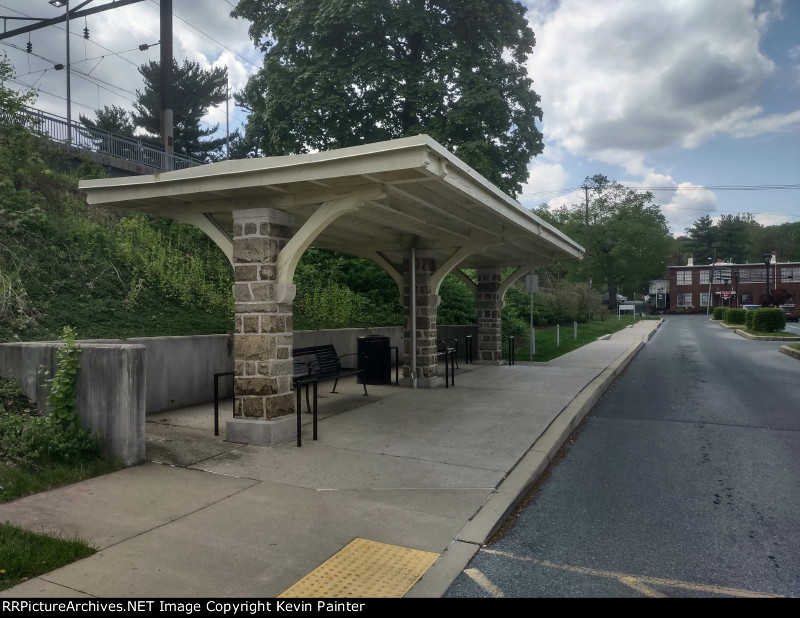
<point>262,433</point>
<point>488,362</point>
<point>435,382</point>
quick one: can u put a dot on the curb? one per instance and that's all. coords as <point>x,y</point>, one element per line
<point>519,481</point>
<point>794,353</point>
<point>741,333</point>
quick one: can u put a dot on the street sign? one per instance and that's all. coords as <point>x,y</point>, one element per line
<point>531,284</point>
<point>725,294</point>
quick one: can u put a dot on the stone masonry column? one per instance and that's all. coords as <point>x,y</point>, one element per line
<point>425,336</point>
<point>262,340</point>
<point>490,307</point>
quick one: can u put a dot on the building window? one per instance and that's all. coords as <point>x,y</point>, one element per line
<point>704,299</point>
<point>704,276</point>
<point>752,275</point>
<point>790,274</point>
<point>722,275</point>
<point>684,277</point>
<point>747,299</point>
<point>684,299</point>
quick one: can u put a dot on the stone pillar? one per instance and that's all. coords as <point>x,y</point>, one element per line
<point>262,340</point>
<point>425,336</point>
<point>490,307</point>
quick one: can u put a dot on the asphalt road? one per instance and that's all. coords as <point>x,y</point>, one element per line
<point>684,481</point>
<point>793,327</point>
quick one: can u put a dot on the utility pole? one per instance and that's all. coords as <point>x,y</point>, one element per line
<point>588,239</point>
<point>710,279</point>
<point>166,81</point>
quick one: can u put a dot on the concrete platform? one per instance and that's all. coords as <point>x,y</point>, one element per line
<point>431,470</point>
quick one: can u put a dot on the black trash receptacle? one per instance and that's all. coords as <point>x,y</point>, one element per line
<point>378,364</point>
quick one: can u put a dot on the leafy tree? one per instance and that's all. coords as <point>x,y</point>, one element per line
<point>733,237</point>
<point>702,238</point>
<point>12,101</point>
<point>784,239</point>
<point>628,239</point>
<point>114,119</point>
<point>195,91</point>
<point>341,72</point>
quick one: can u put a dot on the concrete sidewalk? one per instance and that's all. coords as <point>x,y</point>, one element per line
<point>435,471</point>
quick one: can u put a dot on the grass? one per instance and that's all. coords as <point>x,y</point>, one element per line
<point>546,348</point>
<point>795,346</point>
<point>38,454</point>
<point>18,481</point>
<point>24,554</point>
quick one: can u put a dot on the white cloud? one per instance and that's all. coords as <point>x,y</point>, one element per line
<point>681,202</point>
<point>623,78</point>
<point>543,180</point>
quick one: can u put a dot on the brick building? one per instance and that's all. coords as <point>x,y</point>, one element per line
<point>730,285</point>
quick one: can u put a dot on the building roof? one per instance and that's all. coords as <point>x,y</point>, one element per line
<point>410,191</point>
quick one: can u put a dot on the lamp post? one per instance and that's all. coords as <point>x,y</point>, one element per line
<point>735,275</point>
<point>227,117</point>
<point>712,260</point>
<point>767,257</point>
<point>59,4</point>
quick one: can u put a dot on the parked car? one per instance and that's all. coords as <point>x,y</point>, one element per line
<point>750,307</point>
<point>791,313</point>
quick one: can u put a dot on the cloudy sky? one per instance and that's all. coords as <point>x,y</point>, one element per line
<point>697,100</point>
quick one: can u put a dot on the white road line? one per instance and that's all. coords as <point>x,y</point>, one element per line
<point>483,581</point>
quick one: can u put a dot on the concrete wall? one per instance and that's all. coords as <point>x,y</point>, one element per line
<point>120,381</point>
<point>180,370</point>
<point>110,388</point>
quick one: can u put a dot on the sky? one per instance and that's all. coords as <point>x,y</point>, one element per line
<point>697,101</point>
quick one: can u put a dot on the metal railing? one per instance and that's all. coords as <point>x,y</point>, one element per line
<point>57,129</point>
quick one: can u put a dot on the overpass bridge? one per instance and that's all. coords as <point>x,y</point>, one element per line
<point>123,156</point>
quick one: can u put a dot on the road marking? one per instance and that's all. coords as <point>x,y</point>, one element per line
<point>483,581</point>
<point>642,584</point>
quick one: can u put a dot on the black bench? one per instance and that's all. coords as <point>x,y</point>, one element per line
<point>320,363</point>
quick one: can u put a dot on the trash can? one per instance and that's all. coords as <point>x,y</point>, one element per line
<point>378,364</point>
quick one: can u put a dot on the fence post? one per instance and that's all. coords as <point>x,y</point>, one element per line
<point>558,335</point>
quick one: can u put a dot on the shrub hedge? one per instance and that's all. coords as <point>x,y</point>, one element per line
<point>734,315</point>
<point>768,320</point>
<point>748,317</point>
<point>719,312</point>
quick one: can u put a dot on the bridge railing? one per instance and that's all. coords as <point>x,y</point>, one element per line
<point>57,129</point>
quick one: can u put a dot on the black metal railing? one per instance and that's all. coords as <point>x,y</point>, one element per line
<point>58,129</point>
<point>217,376</point>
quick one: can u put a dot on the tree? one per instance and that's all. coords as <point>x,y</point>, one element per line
<point>195,91</point>
<point>702,238</point>
<point>113,119</point>
<point>340,73</point>
<point>628,236</point>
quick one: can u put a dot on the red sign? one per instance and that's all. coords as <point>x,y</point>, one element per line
<point>725,294</point>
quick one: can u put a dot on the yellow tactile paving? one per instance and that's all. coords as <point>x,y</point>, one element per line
<point>364,569</point>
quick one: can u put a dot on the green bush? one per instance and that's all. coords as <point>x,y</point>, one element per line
<point>719,313</point>
<point>748,318</point>
<point>768,320</point>
<point>28,438</point>
<point>735,316</point>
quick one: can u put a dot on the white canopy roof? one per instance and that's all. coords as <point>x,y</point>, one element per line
<point>409,191</point>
